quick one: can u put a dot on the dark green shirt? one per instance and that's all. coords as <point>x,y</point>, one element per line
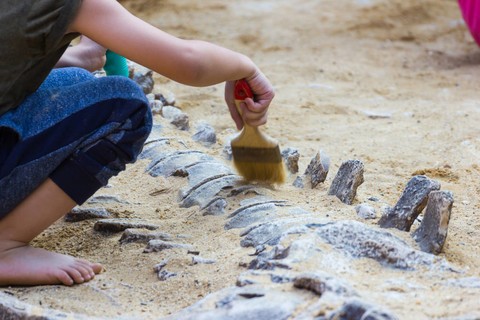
<point>32,40</point>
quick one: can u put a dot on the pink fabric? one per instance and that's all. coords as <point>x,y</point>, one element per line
<point>471,14</point>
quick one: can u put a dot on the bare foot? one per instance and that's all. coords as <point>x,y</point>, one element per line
<point>22,264</point>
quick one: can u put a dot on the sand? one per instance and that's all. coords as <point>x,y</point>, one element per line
<point>392,83</point>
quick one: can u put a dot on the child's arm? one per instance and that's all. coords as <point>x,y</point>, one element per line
<point>190,62</point>
<point>471,15</point>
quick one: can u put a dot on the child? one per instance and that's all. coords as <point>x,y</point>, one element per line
<point>471,14</point>
<point>64,133</point>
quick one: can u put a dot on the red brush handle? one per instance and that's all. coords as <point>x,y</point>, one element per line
<point>242,90</point>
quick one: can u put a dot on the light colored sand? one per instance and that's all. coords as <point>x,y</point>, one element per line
<point>333,63</point>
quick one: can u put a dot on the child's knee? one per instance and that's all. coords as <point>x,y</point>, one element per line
<point>122,87</point>
<point>134,107</point>
<point>61,77</point>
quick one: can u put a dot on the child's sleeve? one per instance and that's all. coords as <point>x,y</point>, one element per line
<point>471,15</point>
<point>32,39</point>
<point>47,21</point>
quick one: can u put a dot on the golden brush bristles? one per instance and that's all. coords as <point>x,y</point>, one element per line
<point>261,172</point>
<point>262,162</point>
<point>256,156</point>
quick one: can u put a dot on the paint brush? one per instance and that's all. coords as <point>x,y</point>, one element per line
<point>256,156</point>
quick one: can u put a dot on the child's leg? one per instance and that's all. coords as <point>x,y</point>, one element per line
<point>73,138</point>
<point>471,14</point>
<point>21,264</point>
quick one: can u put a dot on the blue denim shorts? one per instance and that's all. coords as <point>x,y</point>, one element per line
<point>76,129</point>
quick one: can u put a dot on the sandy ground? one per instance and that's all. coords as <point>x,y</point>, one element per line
<point>333,63</point>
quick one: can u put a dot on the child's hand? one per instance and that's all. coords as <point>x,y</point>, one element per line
<point>253,112</point>
<point>93,54</point>
<point>87,54</point>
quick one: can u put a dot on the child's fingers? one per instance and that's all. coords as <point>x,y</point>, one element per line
<point>254,113</point>
<point>256,122</point>
<point>250,111</point>
<point>261,88</point>
<point>258,106</point>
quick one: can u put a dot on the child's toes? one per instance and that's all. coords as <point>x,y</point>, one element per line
<point>64,278</point>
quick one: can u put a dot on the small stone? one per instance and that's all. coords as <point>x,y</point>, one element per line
<point>169,112</point>
<point>159,266</point>
<point>216,207</point>
<point>243,281</point>
<point>99,73</point>
<point>176,116</point>
<point>261,276</point>
<point>167,98</point>
<point>227,151</point>
<point>160,245</point>
<point>119,225</point>
<point>259,249</point>
<point>142,236</point>
<point>160,97</point>
<point>150,97</point>
<point>144,80</point>
<point>377,115</point>
<point>357,309</point>
<point>291,157</point>
<point>106,199</point>
<point>181,121</point>
<point>170,98</point>
<point>432,233</point>
<point>205,134</point>
<point>255,293</point>
<point>298,182</point>
<point>319,282</point>
<point>311,283</point>
<point>365,211</point>
<point>271,259</point>
<point>156,106</point>
<point>200,260</point>
<point>80,214</point>
<point>349,177</point>
<point>413,200</point>
<point>280,278</point>
<point>164,275</point>
<point>131,69</point>
<point>318,168</point>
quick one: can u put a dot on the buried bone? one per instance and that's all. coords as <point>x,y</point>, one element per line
<point>80,214</point>
<point>432,233</point>
<point>411,203</point>
<point>119,225</point>
<point>205,134</point>
<point>143,236</point>
<point>318,168</point>
<point>157,245</point>
<point>345,184</point>
<point>291,157</point>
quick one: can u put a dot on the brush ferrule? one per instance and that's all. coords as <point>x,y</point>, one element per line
<point>257,155</point>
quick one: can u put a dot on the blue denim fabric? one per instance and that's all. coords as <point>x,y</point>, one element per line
<point>76,129</point>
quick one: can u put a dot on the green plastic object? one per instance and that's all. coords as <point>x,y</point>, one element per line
<point>116,65</point>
